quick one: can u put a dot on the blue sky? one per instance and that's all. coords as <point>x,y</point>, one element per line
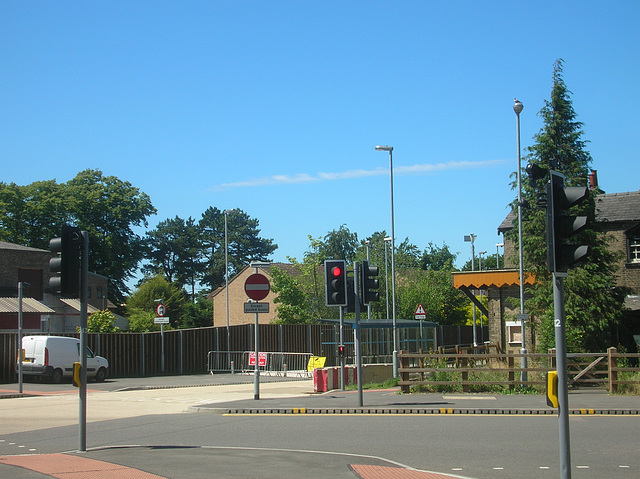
<point>275,107</point>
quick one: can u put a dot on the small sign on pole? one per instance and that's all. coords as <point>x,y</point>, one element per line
<point>161,320</point>
<point>420,312</point>
<point>256,307</point>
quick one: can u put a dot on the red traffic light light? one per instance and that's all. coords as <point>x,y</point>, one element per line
<point>336,271</point>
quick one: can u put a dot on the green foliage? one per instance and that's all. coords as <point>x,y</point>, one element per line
<point>198,313</point>
<point>102,322</point>
<point>441,302</point>
<point>436,258</point>
<point>151,289</point>
<point>105,206</point>
<point>593,306</point>
<point>141,321</point>
<point>244,244</point>
<point>293,303</point>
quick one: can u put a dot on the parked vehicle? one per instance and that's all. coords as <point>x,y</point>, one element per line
<point>52,357</point>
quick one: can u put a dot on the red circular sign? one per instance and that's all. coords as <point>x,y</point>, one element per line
<point>161,310</point>
<point>257,286</point>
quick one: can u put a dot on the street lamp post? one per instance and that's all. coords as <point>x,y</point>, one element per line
<point>393,262</point>
<point>226,284</point>
<point>471,238</point>
<point>498,246</point>
<point>367,242</point>
<point>517,108</point>
<point>386,272</point>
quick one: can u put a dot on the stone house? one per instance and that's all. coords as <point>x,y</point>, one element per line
<point>618,216</point>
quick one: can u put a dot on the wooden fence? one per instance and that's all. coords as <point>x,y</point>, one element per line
<point>473,372</point>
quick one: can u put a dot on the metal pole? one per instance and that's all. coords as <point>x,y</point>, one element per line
<point>473,268</point>
<point>517,107</point>
<point>162,348</point>
<point>84,283</point>
<point>226,282</point>
<point>20,337</point>
<point>386,276</point>
<point>256,371</point>
<point>342,359</point>
<point>561,365</point>
<point>393,271</point>
<point>356,281</point>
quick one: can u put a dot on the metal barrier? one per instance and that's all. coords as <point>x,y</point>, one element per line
<point>269,363</point>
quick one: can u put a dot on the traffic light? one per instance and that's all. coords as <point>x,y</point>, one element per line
<point>369,283</point>
<point>560,226</point>
<point>341,351</point>
<point>335,276</point>
<point>67,264</point>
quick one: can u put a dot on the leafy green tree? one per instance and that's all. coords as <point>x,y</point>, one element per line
<point>441,302</point>
<point>175,250</point>
<point>244,241</point>
<point>293,305</point>
<point>198,313</point>
<point>144,299</point>
<point>593,306</point>
<point>102,322</point>
<point>436,258</point>
<point>108,208</point>
<point>339,244</point>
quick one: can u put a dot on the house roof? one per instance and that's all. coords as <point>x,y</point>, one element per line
<point>286,267</point>
<point>611,207</point>
<point>29,306</point>
<point>17,247</point>
<point>618,207</point>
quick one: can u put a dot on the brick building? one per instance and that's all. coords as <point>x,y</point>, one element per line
<point>618,215</point>
<point>237,298</point>
<point>41,311</point>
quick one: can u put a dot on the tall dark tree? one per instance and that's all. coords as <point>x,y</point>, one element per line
<point>244,243</point>
<point>436,258</point>
<point>339,244</point>
<point>108,208</point>
<point>175,250</point>
<point>593,305</point>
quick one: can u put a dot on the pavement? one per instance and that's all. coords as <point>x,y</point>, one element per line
<point>235,394</point>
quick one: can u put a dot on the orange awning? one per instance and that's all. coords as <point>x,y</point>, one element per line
<point>485,279</point>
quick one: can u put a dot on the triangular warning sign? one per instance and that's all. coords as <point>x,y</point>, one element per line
<point>420,310</point>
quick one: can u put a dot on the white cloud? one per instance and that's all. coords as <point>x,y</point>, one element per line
<point>350,174</point>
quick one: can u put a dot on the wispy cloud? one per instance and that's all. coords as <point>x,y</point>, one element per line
<point>350,174</point>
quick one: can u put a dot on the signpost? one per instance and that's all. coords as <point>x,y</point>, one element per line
<point>420,312</point>
<point>161,319</point>
<point>257,288</point>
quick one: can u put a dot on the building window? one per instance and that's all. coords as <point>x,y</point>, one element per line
<point>634,248</point>
<point>514,332</point>
<point>99,294</point>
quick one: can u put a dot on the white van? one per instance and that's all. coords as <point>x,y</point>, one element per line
<point>53,357</point>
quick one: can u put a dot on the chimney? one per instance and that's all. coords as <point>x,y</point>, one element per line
<point>593,180</point>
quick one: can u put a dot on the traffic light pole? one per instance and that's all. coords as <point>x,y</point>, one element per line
<point>561,366</point>
<point>342,358</point>
<point>356,287</point>
<point>82,392</point>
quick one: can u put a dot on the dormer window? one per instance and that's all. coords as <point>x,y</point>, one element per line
<point>634,248</point>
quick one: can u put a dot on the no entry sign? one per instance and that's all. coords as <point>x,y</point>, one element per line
<point>257,286</point>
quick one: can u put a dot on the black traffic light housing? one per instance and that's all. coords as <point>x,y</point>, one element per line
<point>560,226</point>
<point>369,283</point>
<point>335,278</point>
<point>67,263</point>
<point>341,351</point>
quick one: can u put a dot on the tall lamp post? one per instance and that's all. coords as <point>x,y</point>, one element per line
<point>386,272</point>
<point>226,282</point>
<point>498,246</point>
<point>517,108</point>
<point>393,262</point>
<point>470,239</point>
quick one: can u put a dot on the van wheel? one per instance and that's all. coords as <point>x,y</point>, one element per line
<point>101,375</point>
<point>56,377</point>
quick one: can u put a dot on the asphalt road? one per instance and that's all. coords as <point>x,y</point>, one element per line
<point>135,423</point>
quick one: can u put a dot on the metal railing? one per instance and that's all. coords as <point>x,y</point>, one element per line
<point>270,363</point>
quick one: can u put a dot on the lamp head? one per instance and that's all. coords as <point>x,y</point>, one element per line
<point>384,148</point>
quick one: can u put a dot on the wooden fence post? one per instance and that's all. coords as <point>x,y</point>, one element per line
<point>613,373</point>
<point>512,373</point>
<point>465,375</point>
<point>404,374</point>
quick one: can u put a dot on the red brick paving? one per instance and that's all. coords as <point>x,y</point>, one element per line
<point>62,466</point>
<point>385,472</point>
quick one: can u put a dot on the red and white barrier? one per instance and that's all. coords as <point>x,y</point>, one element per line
<point>326,379</point>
